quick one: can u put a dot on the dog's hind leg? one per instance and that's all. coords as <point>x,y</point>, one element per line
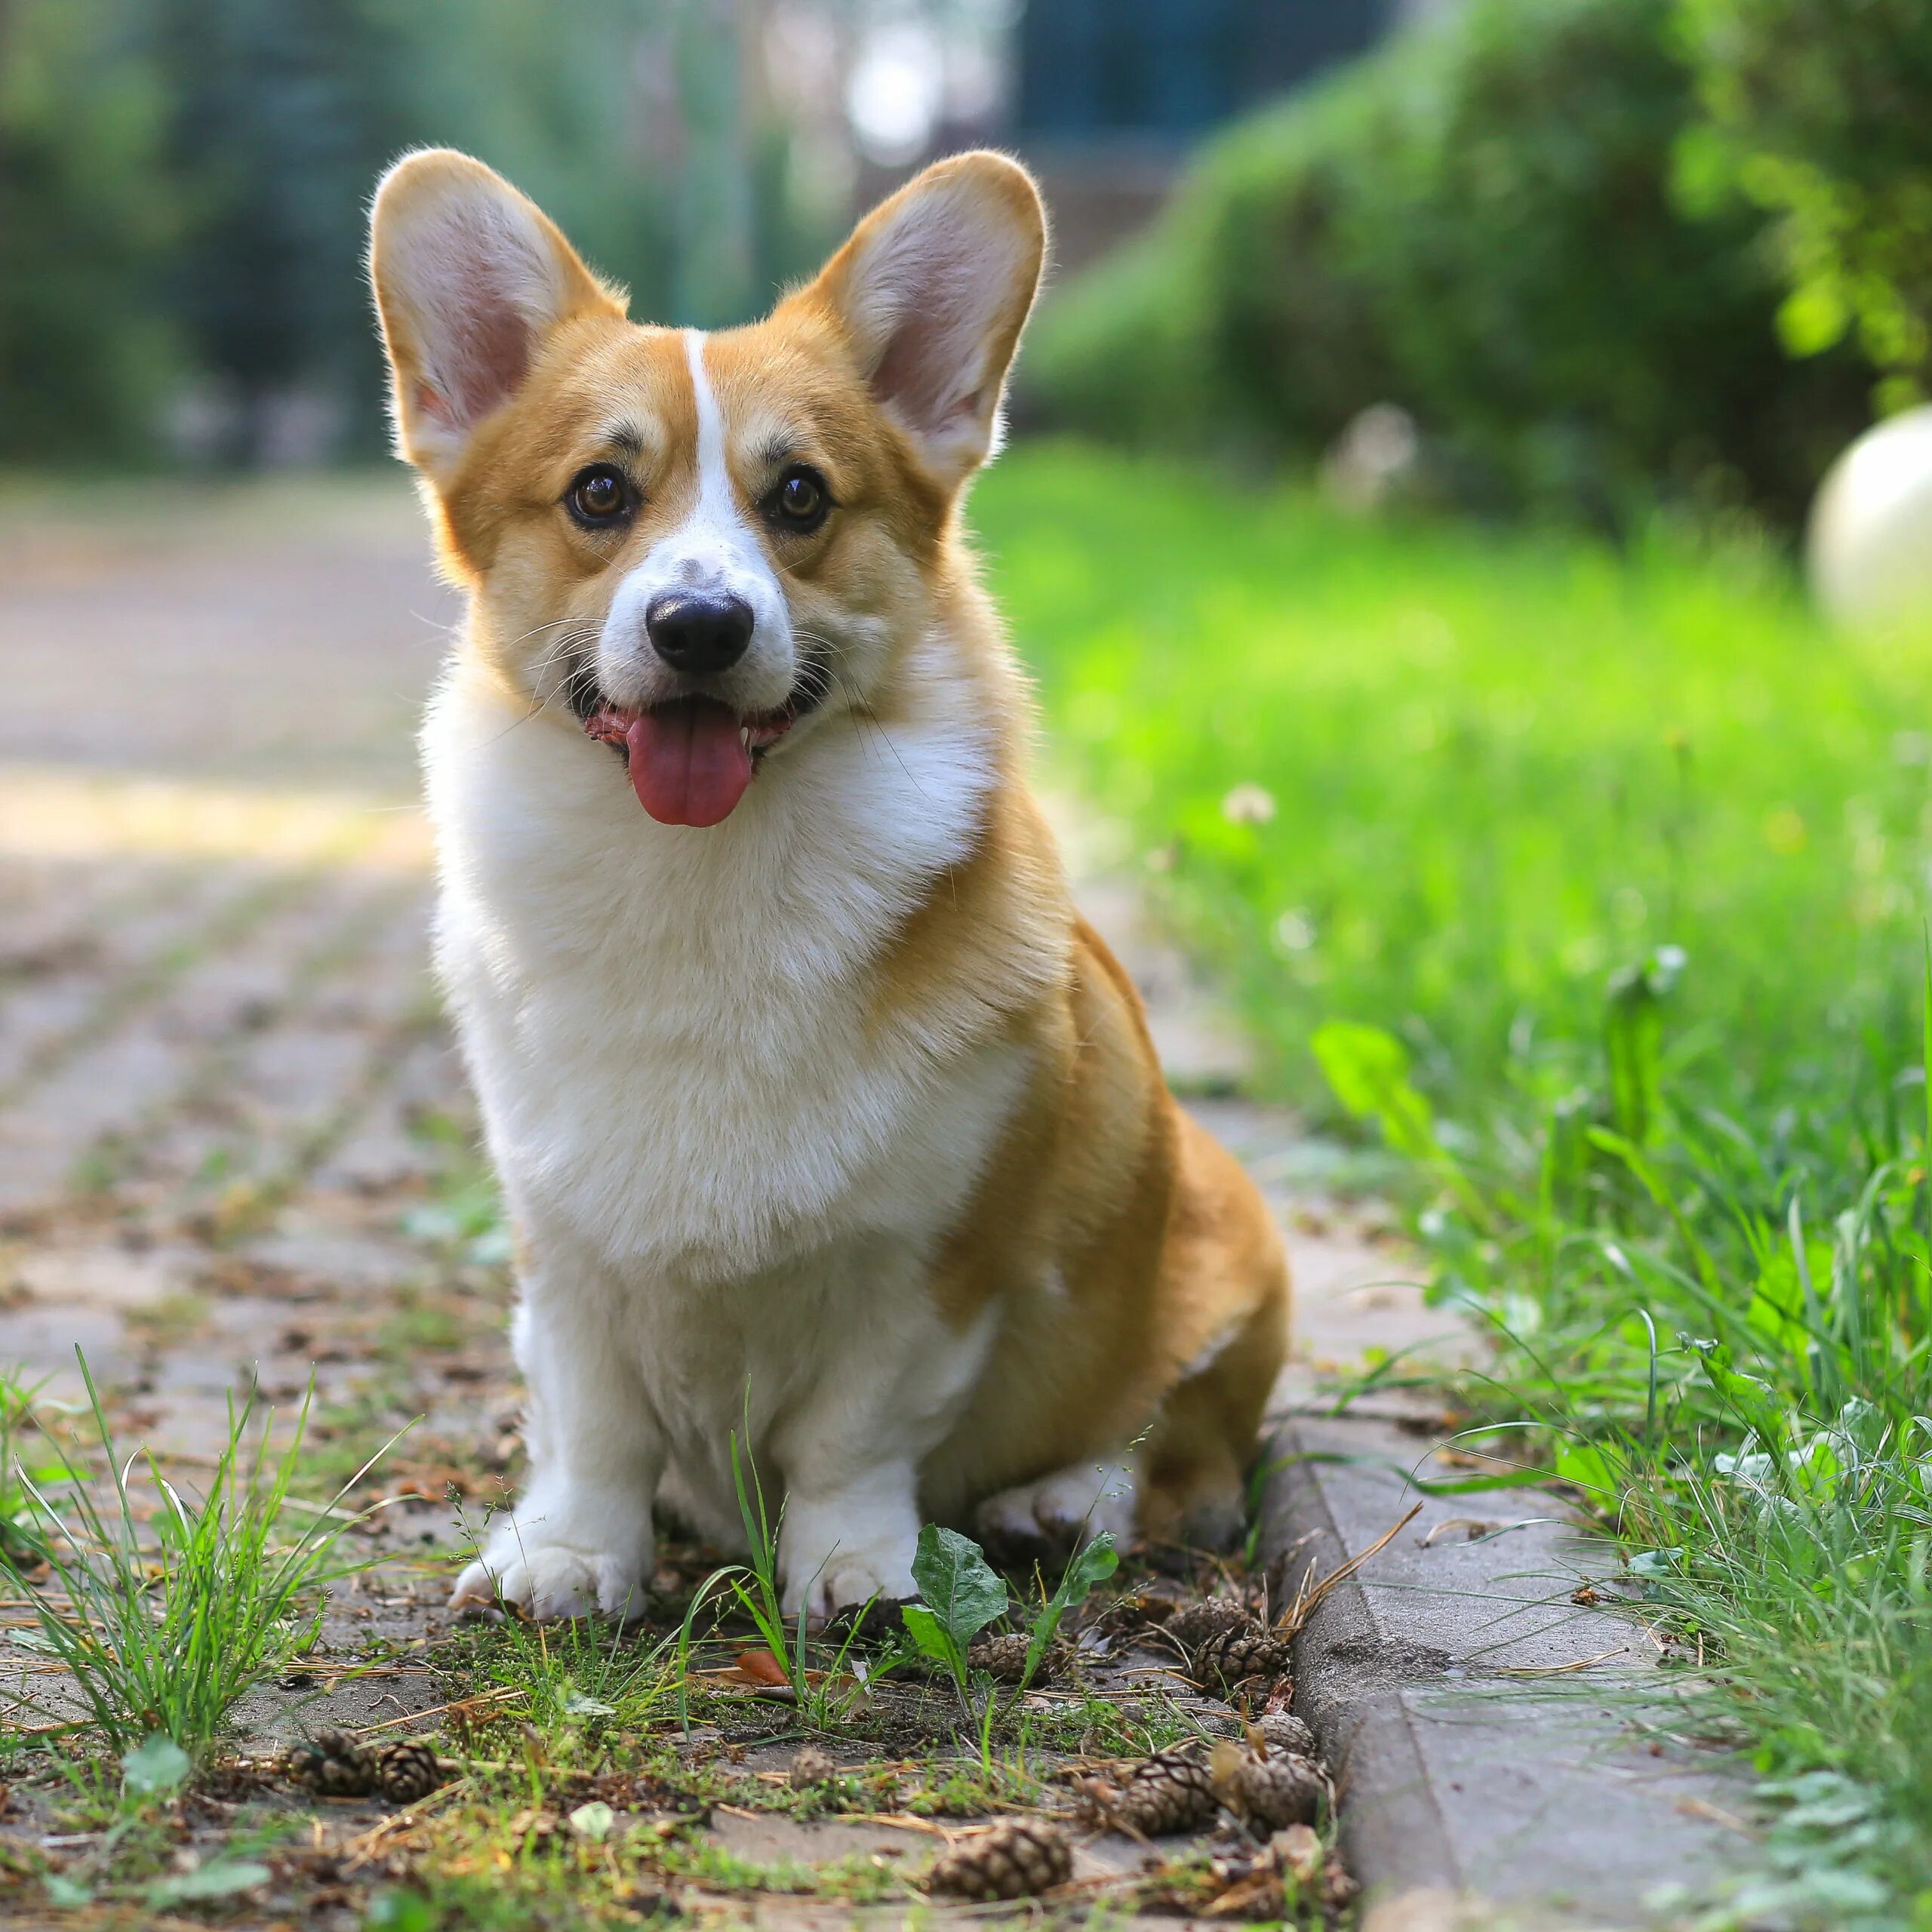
<point>1193,1490</point>
<point>1225,1278</point>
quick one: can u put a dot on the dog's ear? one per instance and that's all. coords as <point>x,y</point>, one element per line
<point>469,277</point>
<point>932,291</point>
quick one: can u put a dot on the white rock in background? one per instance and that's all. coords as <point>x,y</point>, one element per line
<point>1375,458</point>
<point>1869,547</point>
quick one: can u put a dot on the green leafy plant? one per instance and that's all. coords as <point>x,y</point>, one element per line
<point>156,1767</point>
<point>163,1637</point>
<point>961,1594</point>
<point>1368,1069</point>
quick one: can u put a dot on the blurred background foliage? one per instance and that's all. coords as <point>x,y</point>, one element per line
<point>1600,253</point>
<point>1562,234</point>
<point>183,186</point>
<point>1815,111</point>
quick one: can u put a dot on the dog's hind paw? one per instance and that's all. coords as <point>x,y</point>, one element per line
<point>1050,1517</point>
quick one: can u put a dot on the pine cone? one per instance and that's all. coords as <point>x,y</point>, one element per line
<point>1268,1793</point>
<point>1004,1659</point>
<point>1017,1859</point>
<point>1193,1624</point>
<point>332,1765</point>
<point>1282,1732</point>
<point>811,1767</point>
<point>1163,1794</point>
<point>405,1773</point>
<point>1241,1651</point>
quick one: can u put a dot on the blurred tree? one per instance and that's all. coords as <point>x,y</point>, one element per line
<point>183,186</point>
<point>578,109</point>
<point>283,112</point>
<point>1820,111</point>
<point>85,210</point>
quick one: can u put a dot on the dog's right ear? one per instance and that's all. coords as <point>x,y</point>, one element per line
<point>469,277</point>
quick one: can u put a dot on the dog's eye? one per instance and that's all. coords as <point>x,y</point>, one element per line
<point>801,499</point>
<point>599,496</point>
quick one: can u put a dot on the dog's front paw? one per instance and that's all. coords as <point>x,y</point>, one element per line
<point>834,1562</point>
<point>552,1583</point>
<point>550,1566</point>
<point>851,1582</point>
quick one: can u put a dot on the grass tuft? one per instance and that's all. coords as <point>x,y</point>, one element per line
<point>164,1633</point>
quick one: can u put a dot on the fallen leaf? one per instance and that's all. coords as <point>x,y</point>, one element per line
<point>157,1765</point>
<point>761,1667</point>
<point>593,1821</point>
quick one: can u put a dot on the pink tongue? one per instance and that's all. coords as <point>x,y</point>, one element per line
<point>688,764</point>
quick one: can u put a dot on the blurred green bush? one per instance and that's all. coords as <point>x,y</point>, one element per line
<point>82,230</point>
<point>1820,112</point>
<point>1476,222</point>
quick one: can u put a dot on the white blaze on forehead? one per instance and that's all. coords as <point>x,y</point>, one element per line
<point>714,499</point>
<point>714,543</point>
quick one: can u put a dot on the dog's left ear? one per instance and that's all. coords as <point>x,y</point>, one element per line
<point>932,291</point>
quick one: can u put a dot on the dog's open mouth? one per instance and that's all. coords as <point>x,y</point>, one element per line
<point>692,760</point>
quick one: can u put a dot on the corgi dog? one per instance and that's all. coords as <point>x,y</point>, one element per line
<point>825,1123</point>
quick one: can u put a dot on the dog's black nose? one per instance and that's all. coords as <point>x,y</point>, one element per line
<point>699,631</point>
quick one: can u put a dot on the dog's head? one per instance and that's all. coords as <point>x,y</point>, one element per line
<point>702,545</point>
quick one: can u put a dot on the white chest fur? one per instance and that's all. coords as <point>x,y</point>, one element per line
<point>668,1027</point>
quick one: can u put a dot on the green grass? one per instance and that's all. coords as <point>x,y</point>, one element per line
<point>1494,767</point>
<point>1599,880</point>
<point>162,1633</point>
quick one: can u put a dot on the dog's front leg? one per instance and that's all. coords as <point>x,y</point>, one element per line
<point>849,1536</point>
<point>579,1540</point>
<point>851,1451</point>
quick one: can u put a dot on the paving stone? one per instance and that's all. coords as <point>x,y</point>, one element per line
<point>1494,1740</point>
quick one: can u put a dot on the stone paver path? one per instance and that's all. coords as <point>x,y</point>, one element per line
<point>225,1087</point>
